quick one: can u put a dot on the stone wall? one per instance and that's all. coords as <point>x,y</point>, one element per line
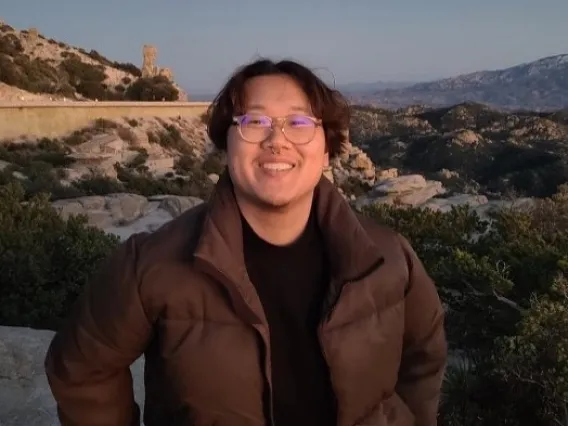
<point>56,119</point>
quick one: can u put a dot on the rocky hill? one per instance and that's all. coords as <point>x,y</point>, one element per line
<point>538,85</point>
<point>469,147</point>
<point>131,174</point>
<point>362,88</point>
<point>33,67</point>
<point>502,281</point>
<point>141,164</point>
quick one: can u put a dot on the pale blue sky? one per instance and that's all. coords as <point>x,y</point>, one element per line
<point>360,40</point>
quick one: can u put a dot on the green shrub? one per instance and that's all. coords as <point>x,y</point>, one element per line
<point>214,162</point>
<point>141,182</point>
<point>536,358</point>
<point>354,186</point>
<point>45,260</point>
<point>502,278</point>
<point>129,68</point>
<point>171,138</point>
<point>10,44</point>
<point>98,185</point>
<point>126,134</point>
<point>156,89</point>
<point>71,76</point>
<point>503,282</point>
<point>43,164</point>
<point>139,160</point>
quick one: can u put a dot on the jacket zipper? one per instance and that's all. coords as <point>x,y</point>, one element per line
<point>267,371</point>
<point>333,303</point>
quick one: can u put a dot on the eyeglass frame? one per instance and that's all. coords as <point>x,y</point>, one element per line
<point>236,122</point>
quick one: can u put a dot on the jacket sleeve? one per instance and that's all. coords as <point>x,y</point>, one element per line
<point>425,347</point>
<point>88,361</point>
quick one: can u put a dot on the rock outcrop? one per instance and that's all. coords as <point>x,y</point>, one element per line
<point>125,214</point>
<point>469,147</point>
<point>416,191</point>
<point>353,163</point>
<point>56,69</point>
<point>25,396</point>
<point>150,69</point>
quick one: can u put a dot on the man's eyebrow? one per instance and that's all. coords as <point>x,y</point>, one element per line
<point>300,109</point>
<point>255,106</point>
<point>259,107</point>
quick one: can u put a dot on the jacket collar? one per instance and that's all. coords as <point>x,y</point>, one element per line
<point>350,249</point>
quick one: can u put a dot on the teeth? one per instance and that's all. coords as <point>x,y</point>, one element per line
<point>277,166</point>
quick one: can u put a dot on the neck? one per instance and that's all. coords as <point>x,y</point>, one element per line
<point>277,226</point>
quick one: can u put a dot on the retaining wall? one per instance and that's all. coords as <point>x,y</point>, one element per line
<point>56,119</point>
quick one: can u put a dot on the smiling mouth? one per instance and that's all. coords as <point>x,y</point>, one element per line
<point>277,167</point>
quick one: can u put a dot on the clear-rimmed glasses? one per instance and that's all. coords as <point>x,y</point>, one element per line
<point>297,128</point>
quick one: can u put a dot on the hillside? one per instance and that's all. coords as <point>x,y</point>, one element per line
<point>502,280</point>
<point>469,147</point>
<point>468,155</point>
<point>444,177</point>
<point>362,88</point>
<point>538,85</point>
<point>36,67</point>
<point>148,157</point>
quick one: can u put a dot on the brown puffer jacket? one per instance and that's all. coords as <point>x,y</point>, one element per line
<point>181,297</point>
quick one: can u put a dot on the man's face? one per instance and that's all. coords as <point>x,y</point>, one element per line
<point>276,172</point>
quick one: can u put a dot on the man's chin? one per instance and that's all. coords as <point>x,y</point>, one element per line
<point>273,201</point>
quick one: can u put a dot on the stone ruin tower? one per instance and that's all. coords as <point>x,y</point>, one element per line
<point>149,68</point>
<point>33,34</point>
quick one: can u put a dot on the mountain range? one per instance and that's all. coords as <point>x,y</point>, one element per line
<point>540,85</point>
<point>32,66</point>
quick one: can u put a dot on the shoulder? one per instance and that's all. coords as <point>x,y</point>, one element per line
<point>174,240</point>
<point>381,235</point>
<point>395,248</point>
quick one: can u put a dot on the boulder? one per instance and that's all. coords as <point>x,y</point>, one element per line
<point>25,396</point>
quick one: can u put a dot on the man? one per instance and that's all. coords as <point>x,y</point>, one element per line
<point>272,303</point>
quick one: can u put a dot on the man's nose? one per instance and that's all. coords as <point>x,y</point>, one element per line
<point>277,138</point>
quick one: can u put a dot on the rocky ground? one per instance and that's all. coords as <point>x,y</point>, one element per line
<point>13,94</point>
<point>34,68</point>
<point>134,175</point>
<point>125,213</point>
<point>177,150</point>
<point>25,397</point>
<point>469,147</point>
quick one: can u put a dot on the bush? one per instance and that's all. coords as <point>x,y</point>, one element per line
<point>503,282</point>
<point>156,89</point>
<point>129,68</point>
<point>214,162</point>
<point>502,279</point>
<point>43,164</point>
<point>354,186</point>
<point>536,358</point>
<point>71,76</point>
<point>45,260</point>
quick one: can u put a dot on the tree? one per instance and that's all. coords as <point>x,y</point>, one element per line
<point>156,88</point>
<point>503,282</point>
<point>45,260</point>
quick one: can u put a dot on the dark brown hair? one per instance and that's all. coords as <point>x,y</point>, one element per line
<point>327,104</point>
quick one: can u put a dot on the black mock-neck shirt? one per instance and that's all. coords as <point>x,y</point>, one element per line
<point>291,282</point>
